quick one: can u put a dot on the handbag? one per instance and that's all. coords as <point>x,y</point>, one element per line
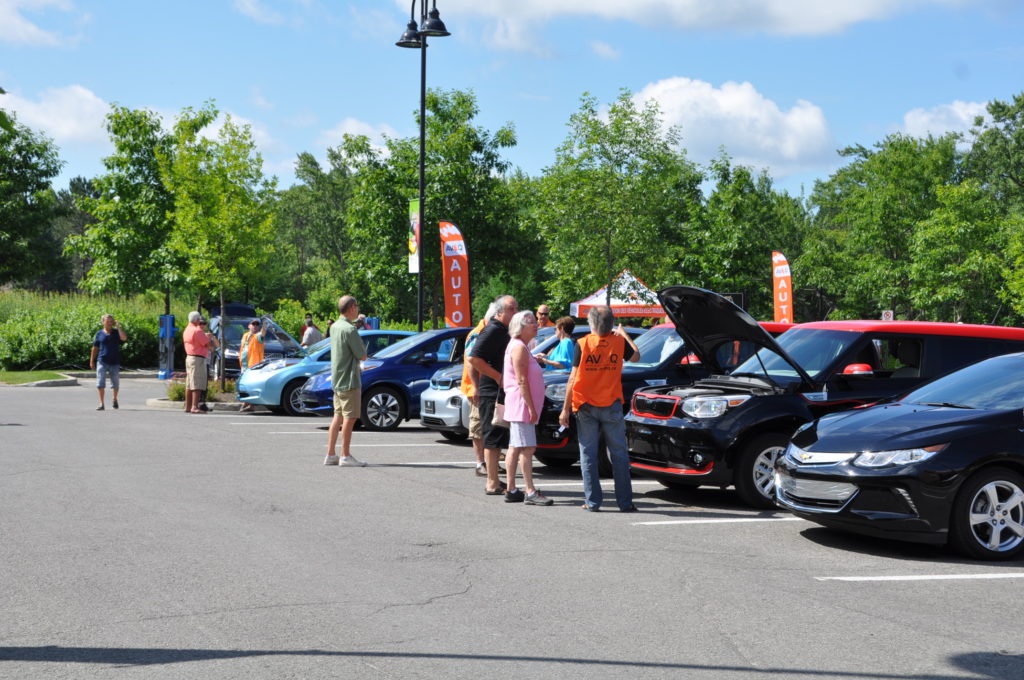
<point>499,411</point>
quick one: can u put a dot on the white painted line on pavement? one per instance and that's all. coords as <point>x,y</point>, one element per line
<point>603,483</point>
<point>735,520</point>
<point>919,577</point>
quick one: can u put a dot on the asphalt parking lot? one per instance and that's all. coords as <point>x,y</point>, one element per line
<point>147,543</point>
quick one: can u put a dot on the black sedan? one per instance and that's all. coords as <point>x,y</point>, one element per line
<point>943,464</point>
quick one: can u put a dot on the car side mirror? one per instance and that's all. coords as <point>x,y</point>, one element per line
<point>858,369</point>
<point>429,358</point>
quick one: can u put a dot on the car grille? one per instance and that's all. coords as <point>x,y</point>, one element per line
<point>433,421</point>
<point>442,383</point>
<point>654,406</point>
<point>814,494</point>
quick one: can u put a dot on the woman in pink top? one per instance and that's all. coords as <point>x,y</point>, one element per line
<point>523,381</point>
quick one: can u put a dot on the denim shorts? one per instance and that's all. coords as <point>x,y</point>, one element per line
<point>103,370</point>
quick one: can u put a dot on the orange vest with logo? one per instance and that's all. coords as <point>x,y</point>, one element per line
<point>599,375</point>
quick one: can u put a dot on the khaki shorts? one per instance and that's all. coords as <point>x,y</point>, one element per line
<point>349,402</point>
<point>195,372</point>
<point>476,430</point>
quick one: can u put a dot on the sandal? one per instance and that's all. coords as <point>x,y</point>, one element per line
<point>500,491</point>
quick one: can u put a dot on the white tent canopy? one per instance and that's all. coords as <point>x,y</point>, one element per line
<point>630,297</point>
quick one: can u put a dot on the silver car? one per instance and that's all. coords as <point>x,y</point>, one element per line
<point>443,406</point>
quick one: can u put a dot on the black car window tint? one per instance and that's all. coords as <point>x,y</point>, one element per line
<point>996,384</point>
<point>901,356</point>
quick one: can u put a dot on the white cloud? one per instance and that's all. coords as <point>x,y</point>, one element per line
<point>516,20</point>
<point>955,117</point>
<point>257,99</point>
<point>15,29</point>
<point>604,50</point>
<point>352,126</point>
<point>754,130</point>
<point>255,9</point>
<point>71,114</point>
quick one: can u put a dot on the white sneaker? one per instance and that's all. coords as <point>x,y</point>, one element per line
<point>331,460</point>
<point>351,461</point>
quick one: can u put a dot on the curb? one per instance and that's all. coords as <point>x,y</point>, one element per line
<point>125,375</point>
<point>168,405</point>
<point>66,382</point>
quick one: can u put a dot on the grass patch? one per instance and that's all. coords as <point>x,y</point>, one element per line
<point>22,377</point>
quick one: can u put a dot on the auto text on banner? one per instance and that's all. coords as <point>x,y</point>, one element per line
<point>414,236</point>
<point>782,287</point>
<point>455,264</point>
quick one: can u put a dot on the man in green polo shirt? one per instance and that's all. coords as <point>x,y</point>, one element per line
<point>347,351</point>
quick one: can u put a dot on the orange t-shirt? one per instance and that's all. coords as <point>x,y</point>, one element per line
<point>252,348</point>
<point>599,375</point>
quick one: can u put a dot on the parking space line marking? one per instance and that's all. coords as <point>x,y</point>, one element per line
<point>919,577</point>
<point>607,483</point>
<point>734,520</point>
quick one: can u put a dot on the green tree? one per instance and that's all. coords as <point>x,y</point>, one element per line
<point>28,164</point>
<point>129,241</point>
<point>957,258</point>
<point>858,248</point>
<point>621,194</point>
<point>223,206</point>
<point>996,157</point>
<point>64,270</point>
<point>743,221</point>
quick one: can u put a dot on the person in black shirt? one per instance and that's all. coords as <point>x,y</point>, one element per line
<point>487,358</point>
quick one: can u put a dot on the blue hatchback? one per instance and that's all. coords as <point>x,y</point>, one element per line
<point>276,383</point>
<point>392,379</point>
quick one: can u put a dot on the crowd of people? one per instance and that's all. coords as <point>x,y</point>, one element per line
<point>502,380</point>
<point>504,384</point>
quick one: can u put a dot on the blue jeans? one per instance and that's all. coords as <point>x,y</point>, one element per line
<point>591,423</point>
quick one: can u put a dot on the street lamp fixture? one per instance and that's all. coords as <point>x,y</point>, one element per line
<point>416,38</point>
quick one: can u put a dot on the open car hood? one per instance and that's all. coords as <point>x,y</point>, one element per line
<point>706,321</point>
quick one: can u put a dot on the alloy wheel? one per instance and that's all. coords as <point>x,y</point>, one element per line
<point>997,516</point>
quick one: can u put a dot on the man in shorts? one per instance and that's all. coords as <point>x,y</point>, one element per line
<point>197,349</point>
<point>347,351</point>
<point>106,357</point>
<point>468,387</point>
<point>487,358</point>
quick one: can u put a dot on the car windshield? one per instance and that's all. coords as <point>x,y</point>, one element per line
<point>313,349</point>
<point>657,346</point>
<point>814,350</point>
<point>403,346</point>
<point>995,384</point>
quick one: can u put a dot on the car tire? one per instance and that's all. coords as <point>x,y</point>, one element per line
<point>552,461</point>
<point>383,409</point>
<point>755,473</point>
<point>454,436</point>
<point>980,525</point>
<point>290,402</point>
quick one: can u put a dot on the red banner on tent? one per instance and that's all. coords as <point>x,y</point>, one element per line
<point>782,286</point>
<point>455,265</point>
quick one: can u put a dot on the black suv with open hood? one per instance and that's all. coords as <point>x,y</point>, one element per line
<point>730,429</point>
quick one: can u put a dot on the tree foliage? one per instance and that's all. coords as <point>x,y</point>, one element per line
<point>620,194</point>
<point>28,164</point>
<point>129,239</point>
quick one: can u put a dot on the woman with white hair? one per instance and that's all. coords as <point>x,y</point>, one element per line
<point>523,380</point>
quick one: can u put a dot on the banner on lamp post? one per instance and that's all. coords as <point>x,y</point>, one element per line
<point>782,288</point>
<point>414,236</point>
<point>455,268</point>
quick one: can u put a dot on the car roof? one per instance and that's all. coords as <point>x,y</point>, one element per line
<point>920,328</point>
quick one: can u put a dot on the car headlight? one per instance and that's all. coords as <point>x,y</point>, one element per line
<point>878,459</point>
<point>556,392</point>
<point>369,365</point>
<point>275,365</point>
<point>711,407</point>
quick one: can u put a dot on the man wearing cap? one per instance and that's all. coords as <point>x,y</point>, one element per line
<point>347,351</point>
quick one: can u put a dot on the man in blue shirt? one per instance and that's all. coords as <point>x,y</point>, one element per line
<point>106,357</point>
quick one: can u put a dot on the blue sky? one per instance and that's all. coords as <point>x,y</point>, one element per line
<point>781,84</point>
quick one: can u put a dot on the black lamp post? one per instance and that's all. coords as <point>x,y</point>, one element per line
<point>416,38</point>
